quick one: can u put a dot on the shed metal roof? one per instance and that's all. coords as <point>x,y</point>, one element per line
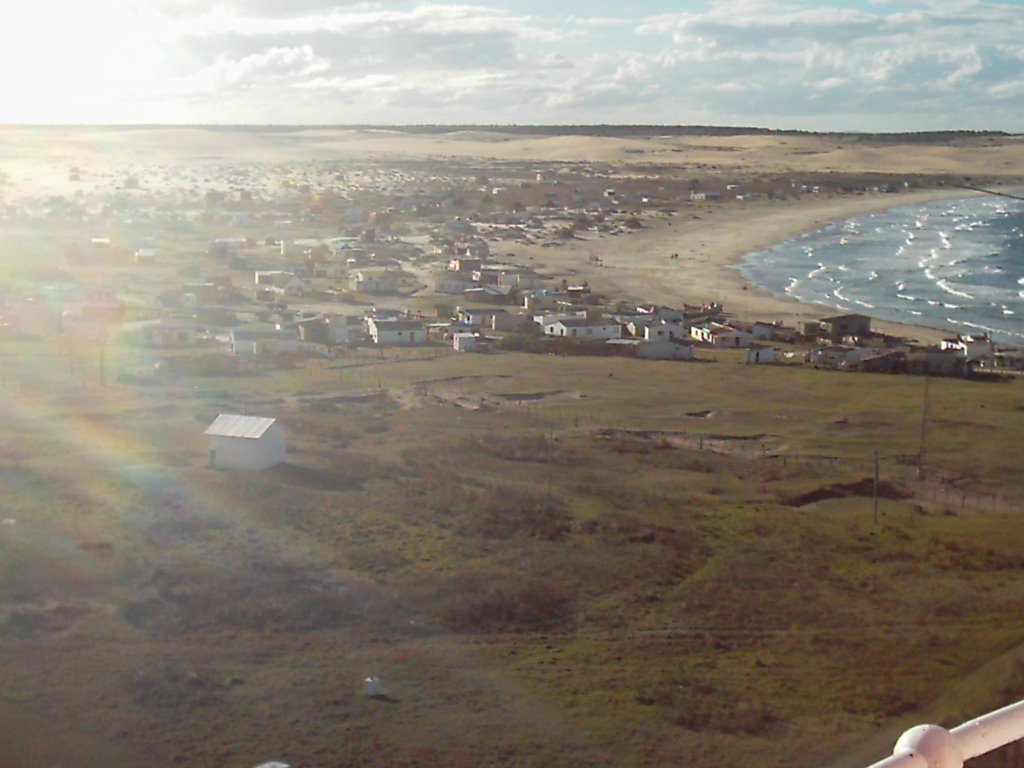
<point>234,425</point>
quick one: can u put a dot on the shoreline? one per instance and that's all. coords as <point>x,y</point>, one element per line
<point>694,256</point>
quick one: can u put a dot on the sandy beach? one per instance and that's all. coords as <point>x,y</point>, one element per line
<point>709,241</point>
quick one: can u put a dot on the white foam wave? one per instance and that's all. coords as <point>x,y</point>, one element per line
<point>944,285</point>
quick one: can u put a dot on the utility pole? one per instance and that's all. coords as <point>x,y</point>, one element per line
<point>924,428</point>
<point>551,448</point>
<point>876,488</point>
<point>103,368</point>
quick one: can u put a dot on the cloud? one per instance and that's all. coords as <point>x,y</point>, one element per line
<point>782,63</point>
<point>263,70</point>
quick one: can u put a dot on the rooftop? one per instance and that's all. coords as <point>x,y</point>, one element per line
<point>235,425</point>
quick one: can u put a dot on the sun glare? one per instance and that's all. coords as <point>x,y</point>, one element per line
<point>74,62</point>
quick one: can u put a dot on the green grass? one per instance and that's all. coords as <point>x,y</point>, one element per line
<point>530,592</point>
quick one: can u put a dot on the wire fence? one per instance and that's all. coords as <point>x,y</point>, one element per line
<point>899,475</point>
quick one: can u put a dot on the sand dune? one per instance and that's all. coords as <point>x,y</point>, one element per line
<point>753,153</point>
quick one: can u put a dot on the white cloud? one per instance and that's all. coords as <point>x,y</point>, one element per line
<point>785,63</point>
<point>264,70</point>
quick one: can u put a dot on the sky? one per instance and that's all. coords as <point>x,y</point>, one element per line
<point>833,65</point>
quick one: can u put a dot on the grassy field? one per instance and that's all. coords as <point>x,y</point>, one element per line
<point>531,586</point>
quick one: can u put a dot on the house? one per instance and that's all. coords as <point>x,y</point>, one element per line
<point>466,342</point>
<point>721,335</point>
<point>835,356</point>
<point>540,299</point>
<point>464,264</point>
<point>257,340</point>
<point>331,270</point>
<point>494,294</point>
<point>883,360</point>
<point>164,332</point>
<point>547,319</point>
<point>846,326</point>
<point>757,354</point>
<point>511,321</point>
<point>447,284</point>
<point>478,249</point>
<point>584,328</point>
<point>281,283</point>
<point>403,332</point>
<point>763,331</point>
<point>321,329</point>
<point>365,282</point>
<point>479,317</point>
<point>518,278</point>
<point>663,349</point>
<point>664,330</point>
<point>668,314</point>
<point>971,348</point>
<point>946,362</point>
<point>246,442</point>
<point>667,349</point>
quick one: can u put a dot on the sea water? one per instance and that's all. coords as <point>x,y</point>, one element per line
<point>957,265</point>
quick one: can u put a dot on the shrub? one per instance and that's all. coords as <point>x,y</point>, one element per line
<point>477,602</point>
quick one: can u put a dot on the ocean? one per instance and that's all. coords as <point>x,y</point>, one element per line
<point>956,265</point>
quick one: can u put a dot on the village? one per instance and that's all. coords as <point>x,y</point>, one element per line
<point>259,264</point>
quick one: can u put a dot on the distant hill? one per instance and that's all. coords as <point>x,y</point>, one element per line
<point>609,131</point>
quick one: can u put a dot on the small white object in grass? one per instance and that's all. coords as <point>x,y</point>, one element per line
<point>8,521</point>
<point>371,687</point>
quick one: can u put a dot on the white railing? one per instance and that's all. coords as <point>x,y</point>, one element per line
<point>932,746</point>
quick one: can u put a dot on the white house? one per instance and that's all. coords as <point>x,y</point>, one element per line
<point>658,330</point>
<point>546,319</point>
<point>584,328</point>
<point>396,331</point>
<point>246,442</point>
<point>721,335</point>
<point>970,348</point>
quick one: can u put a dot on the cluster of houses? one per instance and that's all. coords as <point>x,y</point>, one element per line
<point>554,316</point>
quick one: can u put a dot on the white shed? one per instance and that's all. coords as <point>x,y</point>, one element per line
<point>465,342</point>
<point>757,354</point>
<point>246,442</point>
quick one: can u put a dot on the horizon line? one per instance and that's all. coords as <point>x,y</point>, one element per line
<point>512,127</point>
